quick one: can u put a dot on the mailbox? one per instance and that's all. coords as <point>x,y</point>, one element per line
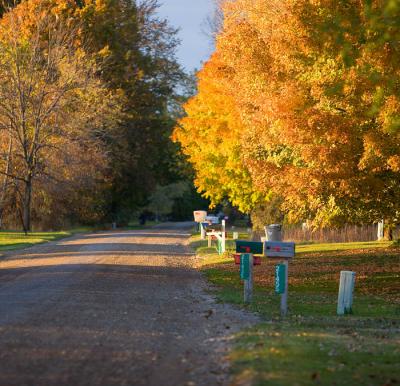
<point>280,249</point>
<point>200,216</point>
<point>212,219</point>
<point>236,257</point>
<point>254,247</point>
<point>256,259</point>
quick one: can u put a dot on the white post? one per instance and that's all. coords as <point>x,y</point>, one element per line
<point>248,284</point>
<point>223,236</point>
<point>381,233</point>
<point>209,241</point>
<point>284,296</point>
<point>202,232</point>
<point>346,288</point>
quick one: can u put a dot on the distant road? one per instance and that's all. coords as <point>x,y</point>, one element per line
<point>112,308</point>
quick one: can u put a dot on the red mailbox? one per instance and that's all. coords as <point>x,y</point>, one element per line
<point>236,256</point>
<point>256,259</point>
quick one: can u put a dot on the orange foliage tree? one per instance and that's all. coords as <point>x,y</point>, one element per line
<point>313,100</point>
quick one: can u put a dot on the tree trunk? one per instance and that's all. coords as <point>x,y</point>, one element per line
<point>26,204</point>
<point>5,182</point>
<point>389,233</point>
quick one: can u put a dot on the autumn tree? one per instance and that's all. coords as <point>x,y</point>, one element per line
<point>47,89</point>
<point>139,49</point>
<point>312,89</point>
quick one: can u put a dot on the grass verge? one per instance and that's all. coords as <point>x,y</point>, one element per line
<point>10,240</point>
<point>13,240</point>
<point>313,345</point>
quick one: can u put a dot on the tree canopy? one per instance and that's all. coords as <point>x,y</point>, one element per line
<point>91,87</point>
<point>304,97</point>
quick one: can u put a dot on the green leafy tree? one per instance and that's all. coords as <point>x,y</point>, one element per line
<point>139,50</point>
<point>162,200</point>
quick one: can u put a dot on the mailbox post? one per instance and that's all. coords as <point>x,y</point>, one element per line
<point>275,248</point>
<point>246,250</point>
<point>284,296</point>
<point>246,274</point>
<point>285,251</point>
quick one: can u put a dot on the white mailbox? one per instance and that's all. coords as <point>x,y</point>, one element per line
<point>279,249</point>
<point>200,215</point>
<point>212,219</point>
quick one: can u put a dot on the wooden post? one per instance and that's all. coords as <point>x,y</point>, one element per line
<point>248,283</point>
<point>202,231</point>
<point>284,296</point>
<point>381,232</point>
<point>223,236</point>
<point>346,288</point>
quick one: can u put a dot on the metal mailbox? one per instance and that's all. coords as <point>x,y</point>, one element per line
<point>254,247</point>
<point>237,257</point>
<point>280,249</point>
<point>199,216</point>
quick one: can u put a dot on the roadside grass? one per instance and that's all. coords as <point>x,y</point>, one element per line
<point>12,240</point>
<point>313,345</point>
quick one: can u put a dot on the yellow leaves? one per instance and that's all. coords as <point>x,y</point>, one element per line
<point>286,75</point>
<point>394,163</point>
<point>105,52</point>
<point>390,115</point>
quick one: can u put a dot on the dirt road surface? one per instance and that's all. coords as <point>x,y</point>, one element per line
<point>112,308</point>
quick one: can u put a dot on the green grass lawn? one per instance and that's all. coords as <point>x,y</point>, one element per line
<point>10,240</point>
<point>313,345</point>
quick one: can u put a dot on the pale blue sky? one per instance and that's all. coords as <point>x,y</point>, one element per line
<point>189,15</point>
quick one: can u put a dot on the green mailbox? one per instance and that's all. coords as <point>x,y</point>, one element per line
<point>254,247</point>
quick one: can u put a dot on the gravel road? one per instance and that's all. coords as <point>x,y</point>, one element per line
<point>112,308</point>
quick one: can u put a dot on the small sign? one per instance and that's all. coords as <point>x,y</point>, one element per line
<point>280,278</point>
<point>245,266</point>
<point>254,247</point>
<point>280,249</point>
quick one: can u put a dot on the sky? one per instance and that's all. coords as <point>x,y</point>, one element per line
<point>189,16</point>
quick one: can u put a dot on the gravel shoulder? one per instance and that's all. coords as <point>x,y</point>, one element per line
<point>113,308</point>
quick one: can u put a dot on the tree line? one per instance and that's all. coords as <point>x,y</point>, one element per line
<point>87,103</point>
<point>297,114</point>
